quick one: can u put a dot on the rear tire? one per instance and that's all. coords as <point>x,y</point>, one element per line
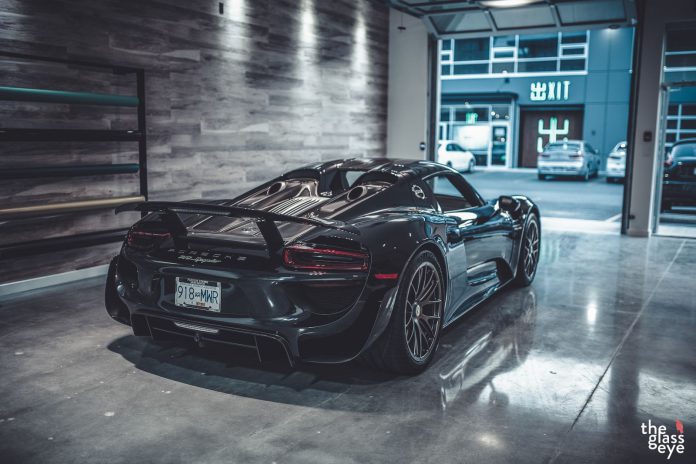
<point>471,166</point>
<point>411,339</point>
<point>529,254</point>
<point>541,176</point>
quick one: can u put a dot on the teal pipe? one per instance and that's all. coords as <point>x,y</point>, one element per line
<point>61,96</point>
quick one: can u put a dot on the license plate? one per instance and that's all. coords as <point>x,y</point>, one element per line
<point>197,294</point>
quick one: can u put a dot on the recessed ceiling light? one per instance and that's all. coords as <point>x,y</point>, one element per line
<point>506,3</point>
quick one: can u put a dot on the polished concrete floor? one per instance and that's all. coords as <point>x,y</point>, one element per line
<point>563,371</point>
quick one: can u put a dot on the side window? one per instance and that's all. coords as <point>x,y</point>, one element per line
<point>452,194</point>
<point>458,147</point>
<point>450,147</point>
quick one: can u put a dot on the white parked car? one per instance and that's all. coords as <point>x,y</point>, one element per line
<point>453,155</point>
<point>616,163</point>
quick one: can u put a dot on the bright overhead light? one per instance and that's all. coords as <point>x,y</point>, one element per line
<point>506,3</point>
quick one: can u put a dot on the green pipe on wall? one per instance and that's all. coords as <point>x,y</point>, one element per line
<point>61,96</point>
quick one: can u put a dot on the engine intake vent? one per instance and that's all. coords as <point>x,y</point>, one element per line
<point>356,193</point>
<point>275,188</point>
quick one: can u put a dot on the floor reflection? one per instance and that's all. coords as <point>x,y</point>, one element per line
<point>492,339</point>
<point>499,342</point>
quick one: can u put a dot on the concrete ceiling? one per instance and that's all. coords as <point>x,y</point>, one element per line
<point>477,18</point>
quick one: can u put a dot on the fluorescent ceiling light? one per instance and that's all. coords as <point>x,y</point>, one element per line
<point>506,3</point>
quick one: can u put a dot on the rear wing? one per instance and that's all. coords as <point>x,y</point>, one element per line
<point>265,220</point>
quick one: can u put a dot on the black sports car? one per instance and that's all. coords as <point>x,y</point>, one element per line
<point>354,257</point>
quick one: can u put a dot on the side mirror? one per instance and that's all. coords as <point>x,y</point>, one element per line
<point>509,203</point>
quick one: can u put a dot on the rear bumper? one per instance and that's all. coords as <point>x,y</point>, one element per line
<point>260,309</point>
<point>616,172</point>
<point>551,168</point>
<point>682,192</point>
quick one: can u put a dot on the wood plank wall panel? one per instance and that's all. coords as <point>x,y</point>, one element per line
<point>232,99</point>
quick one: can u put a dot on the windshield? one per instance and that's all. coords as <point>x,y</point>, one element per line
<point>687,150</point>
<point>556,146</point>
<point>620,146</point>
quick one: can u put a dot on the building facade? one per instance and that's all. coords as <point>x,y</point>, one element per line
<point>504,98</point>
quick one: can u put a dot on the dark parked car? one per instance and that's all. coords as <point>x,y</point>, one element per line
<point>679,183</point>
<point>329,262</point>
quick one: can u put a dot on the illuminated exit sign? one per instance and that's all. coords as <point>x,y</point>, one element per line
<point>549,91</point>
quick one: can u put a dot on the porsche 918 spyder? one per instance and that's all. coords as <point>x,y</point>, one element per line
<point>366,258</point>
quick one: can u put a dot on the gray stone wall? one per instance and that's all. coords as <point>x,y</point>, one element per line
<point>232,100</point>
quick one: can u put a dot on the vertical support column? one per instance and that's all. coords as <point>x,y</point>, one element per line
<point>142,129</point>
<point>642,165</point>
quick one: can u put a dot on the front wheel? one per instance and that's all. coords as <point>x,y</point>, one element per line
<point>529,254</point>
<point>541,176</point>
<point>410,341</point>
<point>471,166</point>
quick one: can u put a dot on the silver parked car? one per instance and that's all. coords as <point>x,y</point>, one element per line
<point>616,163</point>
<point>574,158</point>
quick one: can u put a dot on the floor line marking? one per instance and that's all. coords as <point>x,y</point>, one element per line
<point>615,353</point>
<point>613,218</point>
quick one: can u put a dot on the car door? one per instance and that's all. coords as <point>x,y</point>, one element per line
<point>478,235</point>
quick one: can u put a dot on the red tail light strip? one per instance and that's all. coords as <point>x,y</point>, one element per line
<point>386,276</point>
<point>314,258</point>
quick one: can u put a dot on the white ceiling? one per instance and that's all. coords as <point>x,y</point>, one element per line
<point>476,18</point>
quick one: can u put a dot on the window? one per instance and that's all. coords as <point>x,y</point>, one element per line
<point>515,54</point>
<point>680,55</point>
<point>452,195</point>
<point>471,49</point>
<point>681,122</point>
<point>688,150</point>
<point>538,46</point>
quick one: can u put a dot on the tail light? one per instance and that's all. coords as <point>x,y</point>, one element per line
<point>324,259</point>
<point>143,239</point>
<point>544,155</point>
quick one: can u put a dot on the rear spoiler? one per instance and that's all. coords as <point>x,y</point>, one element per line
<point>265,220</point>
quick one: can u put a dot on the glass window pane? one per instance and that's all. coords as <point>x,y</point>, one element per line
<point>573,37</point>
<point>471,49</point>
<point>688,110</point>
<point>538,46</point>
<point>681,40</point>
<point>503,54</point>
<point>445,70</point>
<point>688,124</point>
<point>572,51</point>
<point>471,68</point>
<point>671,124</point>
<point>444,114</point>
<point>504,41</point>
<point>673,109</point>
<point>680,61</point>
<point>536,66</point>
<point>500,112</point>
<point>446,44</point>
<point>503,67</point>
<point>471,115</point>
<point>573,65</point>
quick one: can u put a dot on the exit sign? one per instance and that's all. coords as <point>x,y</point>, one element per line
<point>549,91</point>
